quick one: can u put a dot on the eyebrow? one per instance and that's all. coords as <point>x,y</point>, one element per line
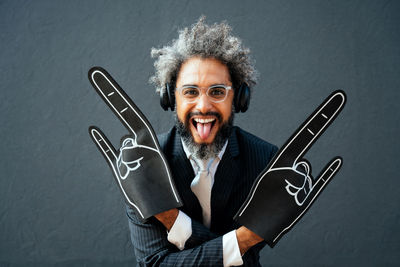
<point>195,85</point>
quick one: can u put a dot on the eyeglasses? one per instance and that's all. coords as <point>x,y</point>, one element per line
<point>216,93</point>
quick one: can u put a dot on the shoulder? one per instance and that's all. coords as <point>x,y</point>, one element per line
<point>166,140</point>
<point>249,143</point>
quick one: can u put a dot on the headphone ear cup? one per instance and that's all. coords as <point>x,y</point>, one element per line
<point>164,98</point>
<point>236,99</point>
<point>245,98</point>
<point>171,97</point>
<point>242,98</point>
<point>167,98</point>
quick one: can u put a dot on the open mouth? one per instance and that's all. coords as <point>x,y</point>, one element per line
<point>203,126</point>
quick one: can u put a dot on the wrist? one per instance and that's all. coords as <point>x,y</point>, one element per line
<point>167,218</point>
<point>246,239</point>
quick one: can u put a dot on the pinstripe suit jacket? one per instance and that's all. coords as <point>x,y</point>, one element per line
<point>244,158</point>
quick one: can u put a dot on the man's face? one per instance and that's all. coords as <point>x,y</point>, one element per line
<point>203,118</point>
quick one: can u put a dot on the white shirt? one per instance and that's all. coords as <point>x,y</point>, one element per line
<point>182,228</point>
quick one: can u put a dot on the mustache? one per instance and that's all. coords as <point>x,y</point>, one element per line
<point>210,113</point>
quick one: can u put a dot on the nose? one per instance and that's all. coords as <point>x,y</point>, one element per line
<point>203,104</point>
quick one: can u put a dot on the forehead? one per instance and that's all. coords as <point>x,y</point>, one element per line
<point>203,72</point>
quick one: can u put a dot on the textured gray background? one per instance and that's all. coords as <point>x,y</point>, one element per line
<point>59,205</point>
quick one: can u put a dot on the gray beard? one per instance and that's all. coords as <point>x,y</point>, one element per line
<point>204,151</point>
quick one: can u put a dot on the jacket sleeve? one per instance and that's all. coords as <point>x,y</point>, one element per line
<point>153,249</point>
<point>200,234</point>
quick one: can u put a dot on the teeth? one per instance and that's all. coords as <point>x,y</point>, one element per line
<point>198,120</point>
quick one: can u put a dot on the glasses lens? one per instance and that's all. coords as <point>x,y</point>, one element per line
<point>217,93</point>
<point>190,93</point>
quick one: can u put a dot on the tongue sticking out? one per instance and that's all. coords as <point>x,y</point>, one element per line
<point>203,129</point>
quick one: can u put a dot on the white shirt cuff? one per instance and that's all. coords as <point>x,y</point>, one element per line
<point>231,250</point>
<point>180,231</point>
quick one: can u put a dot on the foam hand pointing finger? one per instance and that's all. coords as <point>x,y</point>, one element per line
<point>139,167</point>
<point>284,191</point>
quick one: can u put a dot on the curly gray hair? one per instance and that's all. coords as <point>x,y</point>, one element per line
<point>206,41</point>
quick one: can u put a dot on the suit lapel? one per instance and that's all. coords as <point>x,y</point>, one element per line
<point>225,179</point>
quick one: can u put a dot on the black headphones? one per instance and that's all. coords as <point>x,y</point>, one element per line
<point>241,100</point>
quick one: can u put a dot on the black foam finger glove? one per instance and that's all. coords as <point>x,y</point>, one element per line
<point>139,167</point>
<point>285,190</point>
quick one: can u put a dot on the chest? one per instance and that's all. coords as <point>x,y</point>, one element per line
<point>233,180</point>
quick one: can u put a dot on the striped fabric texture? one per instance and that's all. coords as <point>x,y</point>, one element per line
<point>245,157</point>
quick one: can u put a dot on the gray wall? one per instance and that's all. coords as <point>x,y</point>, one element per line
<point>59,205</point>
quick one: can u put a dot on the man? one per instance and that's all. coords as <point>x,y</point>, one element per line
<point>200,76</point>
